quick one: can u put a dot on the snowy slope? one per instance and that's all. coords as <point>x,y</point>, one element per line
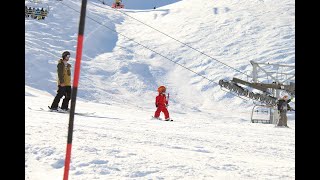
<point>123,143</point>
<point>116,70</point>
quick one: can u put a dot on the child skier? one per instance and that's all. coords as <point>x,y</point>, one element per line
<point>161,104</point>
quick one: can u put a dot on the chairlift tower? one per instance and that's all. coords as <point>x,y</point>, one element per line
<point>284,75</point>
<point>270,80</point>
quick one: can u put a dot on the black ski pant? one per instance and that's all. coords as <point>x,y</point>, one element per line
<point>283,118</point>
<point>62,91</point>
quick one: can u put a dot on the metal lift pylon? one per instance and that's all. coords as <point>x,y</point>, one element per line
<point>268,83</point>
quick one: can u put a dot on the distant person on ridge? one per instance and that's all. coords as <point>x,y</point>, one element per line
<point>26,11</point>
<point>118,2</point>
<point>42,14</point>
<point>37,14</point>
<point>64,83</point>
<point>161,104</point>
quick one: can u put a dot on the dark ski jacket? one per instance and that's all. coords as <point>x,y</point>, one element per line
<point>283,105</point>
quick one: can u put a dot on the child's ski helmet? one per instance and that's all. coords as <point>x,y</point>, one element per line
<point>161,89</point>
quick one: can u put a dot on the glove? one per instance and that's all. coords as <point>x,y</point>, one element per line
<point>293,99</point>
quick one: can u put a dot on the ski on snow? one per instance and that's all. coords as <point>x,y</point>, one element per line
<point>160,119</point>
<point>60,111</point>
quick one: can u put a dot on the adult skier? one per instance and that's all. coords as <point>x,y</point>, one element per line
<point>64,83</point>
<point>283,107</point>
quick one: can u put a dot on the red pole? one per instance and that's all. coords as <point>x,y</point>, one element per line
<point>75,88</point>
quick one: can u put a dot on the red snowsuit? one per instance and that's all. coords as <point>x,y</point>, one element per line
<point>161,102</point>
